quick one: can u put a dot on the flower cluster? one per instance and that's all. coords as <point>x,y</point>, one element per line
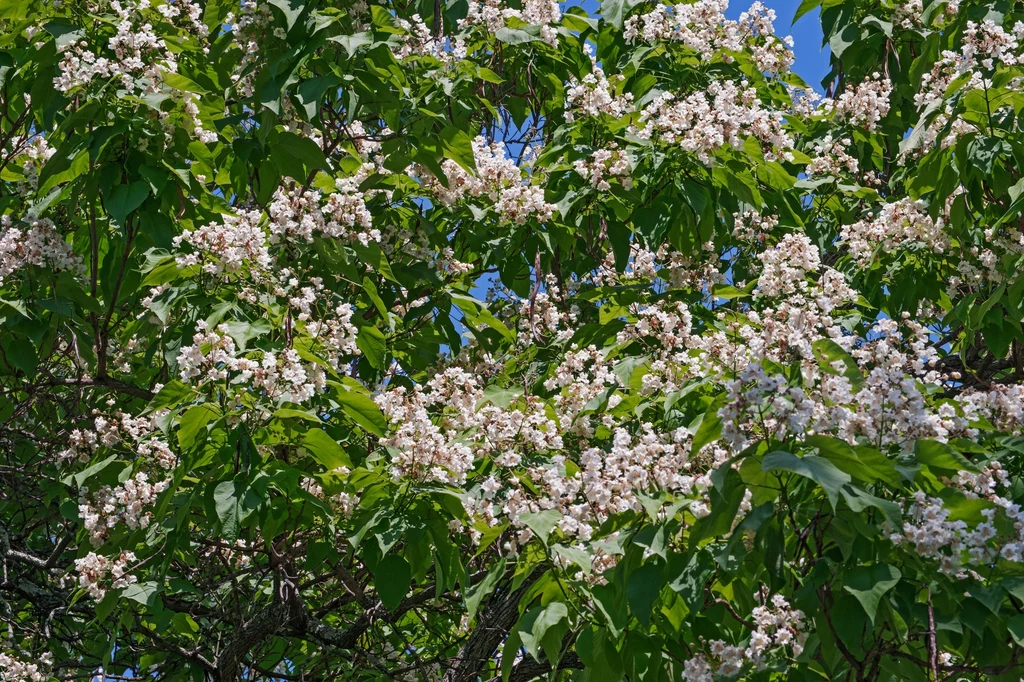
<point>497,179</point>
<point>595,95</point>
<point>213,358</point>
<point>830,157</point>
<point>97,574</point>
<point>603,164</point>
<point>419,41</point>
<point>985,45</point>
<point>423,450</point>
<point>899,225</point>
<point>301,213</point>
<point>32,152</point>
<point>778,626</point>
<point>865,105</point>
<point>750,226</point>
<point>493,14</point>
<point>704,121</point>
<point>140,56</point>
<point>192,111</point>
<point>954,544</point>
<point>228,246</point>
<point>14,669</point>
<point>702,27</point>
<point>40,245</point>
<point>103,509</point>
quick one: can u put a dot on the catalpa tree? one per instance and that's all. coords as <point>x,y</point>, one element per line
<point>487,340</point>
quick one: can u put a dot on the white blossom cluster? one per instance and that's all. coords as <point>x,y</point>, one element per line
<point>97,574</point>
<point>890,406</point>
<point>419,41</point>
<point>778,627</point>
<point>957,546</point>
<point>302,213</point>
<point>423,451</point>
<point>110,431</point>
<point>608,163</point>
<point>251,29</point>
<point>444,427</point>
<point>725,113</point>
<point>830,158</point>
<point>192,111</point>
<point>702,27</point>
<point>102,509</point>
<point>226,247</point>
<point>899,225</point>
<point>497,179</point>
<point>493,14</point>
<point>985,46</point>
<point>140,56</point>
<point>863,106</point>
<point>32,152</point>
<point>16,669</point>
<point>542,316</point>
<point>750,226</point>
<point>39,244</point>
<point>213,358</point>
<point>595,95</point>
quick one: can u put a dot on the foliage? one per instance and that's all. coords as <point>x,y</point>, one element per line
<point>474,340</point>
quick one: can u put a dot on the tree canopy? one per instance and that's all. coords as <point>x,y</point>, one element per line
<point>500,340</point>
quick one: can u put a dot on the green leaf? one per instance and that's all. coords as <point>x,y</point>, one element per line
<point>1015,624</point>
<point>860,500</point>
<point>542,522</point>
<point>363,411</point>
<point>710,428</point>
<point>642,590</point>
<point>941,456</point>
<point>478,315</point>
<point>392,579</point>
<point>869,584</point>
<point>22,355</point>
<point>574,555</point>
<point>297,157</point>
<point>325,449</point>
<point>142,593</point>
<point>614,11</point>
<point>863,463</point>
<point>84,475</point>
<point>353,42</point>
<point>173,393</point>
<point>195,419</point>
<point>517,36</point>
<point>844,39</point>
<point>290,9</point>
<point>828,353</point>
<point>373,344</point>
<point>124,199</point>
<point>227,501</point>
<point>458,146</point>
<point>818,469</point>
<point>371,290</point>
<point>477,593</point>
<point>544,628</point>
<point>805,7</point>
<point>292,413</point>
<point>501,397</point>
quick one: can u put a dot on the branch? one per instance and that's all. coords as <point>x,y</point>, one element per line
<point>262,625</point>
<point>492,627</point>
<point>529,669</point>
<point>107,382</point>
